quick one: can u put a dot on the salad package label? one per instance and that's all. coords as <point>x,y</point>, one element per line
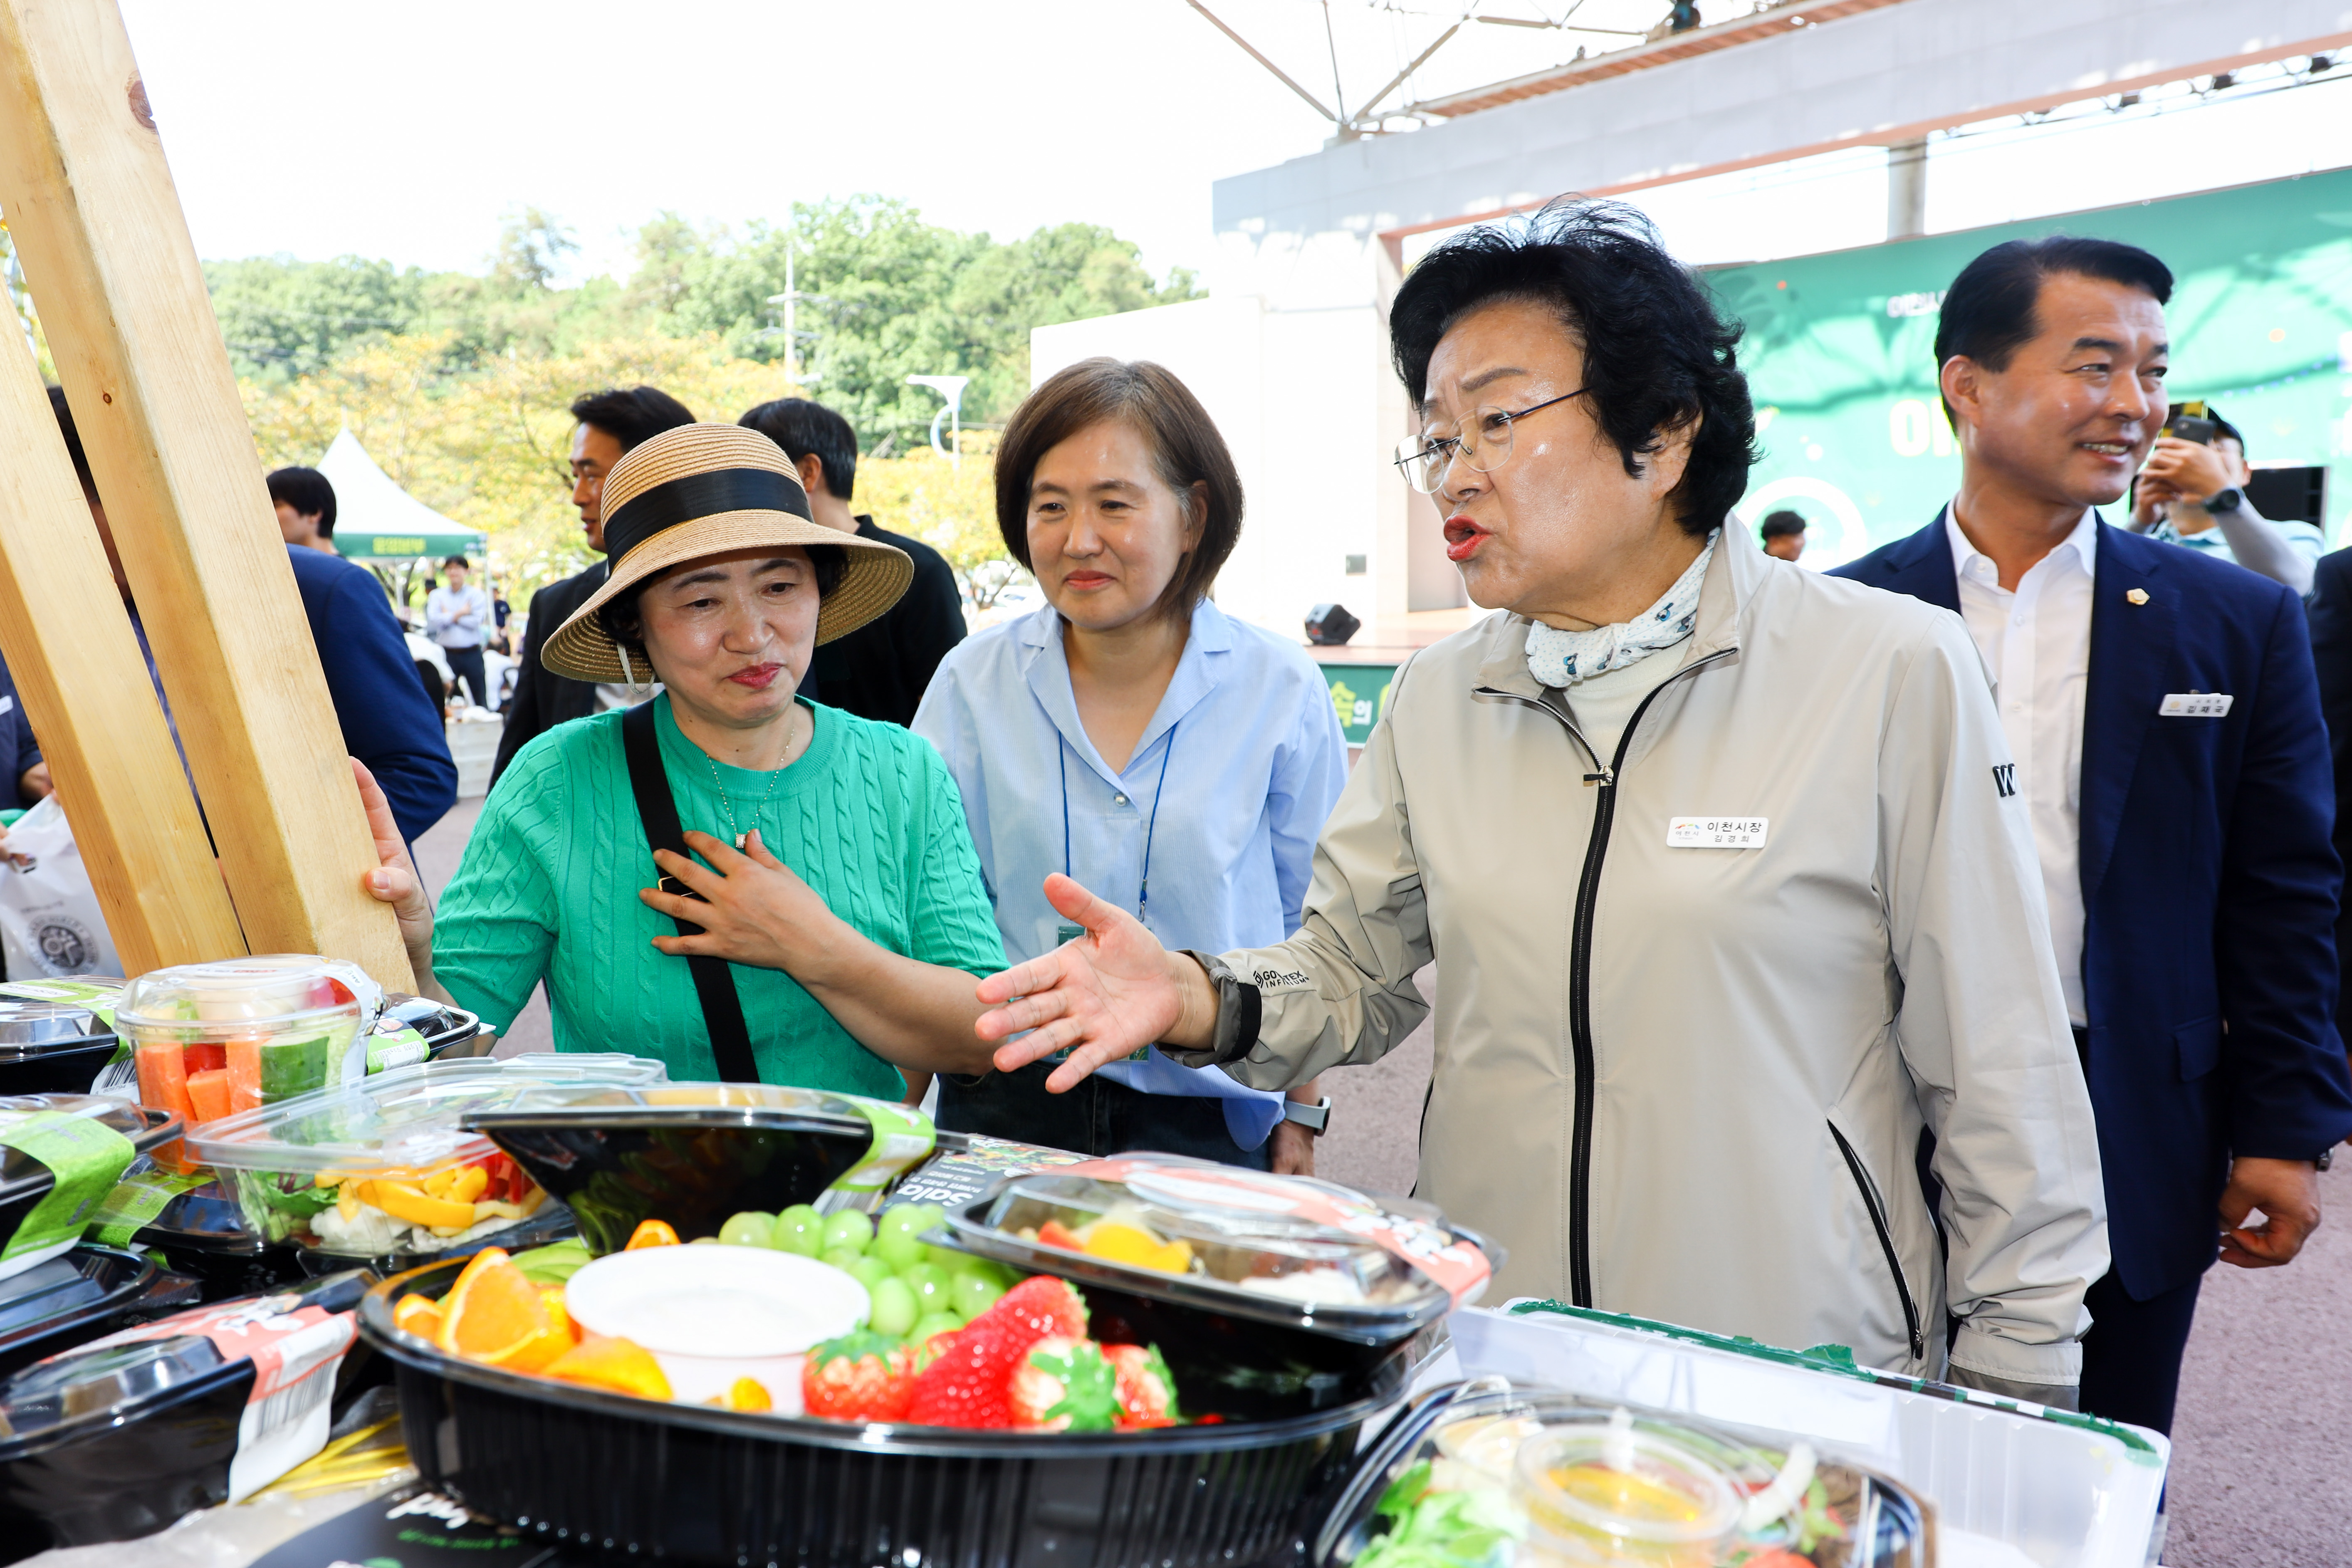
<point>1457,1267</point>
<point>395,1048</point>
<point>296,1348</point>
<point>902,1135</point>
<point>961,1175</point>
<point>86,1157</point>
<point>414,1526</point>
<point>135,1201</point>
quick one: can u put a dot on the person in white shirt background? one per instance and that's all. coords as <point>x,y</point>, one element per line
<point>2193,493</point>
<point>457,617</point>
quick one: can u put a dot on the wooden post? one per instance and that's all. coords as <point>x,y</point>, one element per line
<point>85,687</point>
<point>107,254</point>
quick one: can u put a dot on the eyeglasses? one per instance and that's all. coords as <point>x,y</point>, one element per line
<point>1482,445</point>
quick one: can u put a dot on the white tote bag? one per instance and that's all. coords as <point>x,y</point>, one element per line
<point>49,919</point>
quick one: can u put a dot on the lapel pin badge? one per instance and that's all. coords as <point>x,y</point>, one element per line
<point>2137,596</point>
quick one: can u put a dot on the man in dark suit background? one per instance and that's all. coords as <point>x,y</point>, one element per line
<point>2331,653</point>
<point>2164,724</point>
<point>880,670</point>
<point>611,422</point>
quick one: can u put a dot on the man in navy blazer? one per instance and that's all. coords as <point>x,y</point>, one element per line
<point>2164,724</point>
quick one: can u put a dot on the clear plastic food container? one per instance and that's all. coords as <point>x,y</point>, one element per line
<point>213,1039</point>
<point>56,1034</point>
<point>1286,1249</point>
<point>383,1168</point>
<point>1487,1475</point>
<point>60,1154</point>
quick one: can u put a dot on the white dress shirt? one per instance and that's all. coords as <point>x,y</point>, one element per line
<point>2036,643</point>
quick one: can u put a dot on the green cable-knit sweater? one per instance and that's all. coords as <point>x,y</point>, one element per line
<point>867,817</point>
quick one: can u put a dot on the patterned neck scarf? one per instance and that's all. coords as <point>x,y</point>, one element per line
<point>1555,657</point>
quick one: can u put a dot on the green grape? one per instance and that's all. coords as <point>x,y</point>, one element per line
<point>946,1260</point>
<point>869,1270</point>
<point>845,1258</point>
<point>900,1248</point>
<point>848,1228</point>
<point>931,1323</point>
<point>799,1229</point>
<point>750,1229</point>
<point>905,1217</point>
<point>971,1294</point>
<point>895,1307</point>
<point>930,1285</point>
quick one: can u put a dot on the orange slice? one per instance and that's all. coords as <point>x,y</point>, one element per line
<point>652,1233</point>
<point>550,1297</point>
<point>418,1315</point>
<point>494,1315</point>
<point>622,1366</point>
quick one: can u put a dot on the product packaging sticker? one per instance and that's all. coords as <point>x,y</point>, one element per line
<point>415,1527</point>
<point>2195,705</point>
<point>902,1135</point>
<point>1717,832</point>
<point>98,995</point>
<point>296,1351</point>
<point>135,1202</point>
<point>400,1048</point>
<point>963,1174</point>
<point>85,1157</point>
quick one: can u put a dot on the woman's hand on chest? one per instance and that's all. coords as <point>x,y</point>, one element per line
<point>752,909</point>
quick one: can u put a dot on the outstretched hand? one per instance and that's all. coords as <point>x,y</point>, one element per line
<point>1105,994</point>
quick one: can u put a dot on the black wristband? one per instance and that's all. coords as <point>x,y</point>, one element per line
<point>1240,1010</point>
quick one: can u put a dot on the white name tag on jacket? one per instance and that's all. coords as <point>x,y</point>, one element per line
<point>2194,705</point>
<point>1717,832</point>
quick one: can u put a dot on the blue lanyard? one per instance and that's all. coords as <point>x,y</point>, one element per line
<point>1150,828</point>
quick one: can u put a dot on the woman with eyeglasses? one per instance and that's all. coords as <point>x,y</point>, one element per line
<point>1726,888</point>
<point>1130,734</point>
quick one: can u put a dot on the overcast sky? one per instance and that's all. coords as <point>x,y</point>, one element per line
<point>319,130</point>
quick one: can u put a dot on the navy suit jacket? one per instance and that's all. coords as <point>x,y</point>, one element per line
<point>387,720</point>
<point>2209,886</point>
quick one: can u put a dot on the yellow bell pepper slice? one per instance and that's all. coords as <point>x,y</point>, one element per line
<point>417,1206</point>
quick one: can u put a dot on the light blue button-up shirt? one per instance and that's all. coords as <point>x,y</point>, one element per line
<point>1244,759</point>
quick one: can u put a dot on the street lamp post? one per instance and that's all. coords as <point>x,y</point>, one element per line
<point>950,387</point>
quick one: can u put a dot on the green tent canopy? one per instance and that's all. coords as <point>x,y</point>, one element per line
<point>375,520</point>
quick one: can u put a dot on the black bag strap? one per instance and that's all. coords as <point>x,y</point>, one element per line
<point>722,1009</point>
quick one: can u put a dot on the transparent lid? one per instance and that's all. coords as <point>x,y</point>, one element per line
<point>235,997</point>
<point>33,1028</point>
<point>1601,1480</point>
<point>406,1119</point>
<point>1309,1247</point>
<point>103,1384</point>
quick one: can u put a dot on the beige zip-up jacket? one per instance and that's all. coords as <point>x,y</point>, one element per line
<point>1689,1082</point>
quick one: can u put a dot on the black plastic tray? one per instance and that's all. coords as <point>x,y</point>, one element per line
<point>91,1290</point>
<point>615,1166</point>
<point>700,1484</point>
<point>55,1067</point>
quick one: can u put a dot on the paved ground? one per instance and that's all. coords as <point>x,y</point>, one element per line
<point>2263,1464</point>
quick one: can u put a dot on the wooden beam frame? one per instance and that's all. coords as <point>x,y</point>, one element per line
<point>84,686</point>
<point>106,251</point>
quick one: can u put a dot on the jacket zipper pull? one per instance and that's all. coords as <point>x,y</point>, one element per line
<point>1603,778</point>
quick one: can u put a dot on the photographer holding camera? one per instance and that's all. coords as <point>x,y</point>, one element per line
<point>2191,492</point>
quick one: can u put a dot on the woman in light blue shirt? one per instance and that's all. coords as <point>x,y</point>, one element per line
<point>1131,735</point>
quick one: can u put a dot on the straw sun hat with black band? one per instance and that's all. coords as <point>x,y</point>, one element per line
<point>705,489</point>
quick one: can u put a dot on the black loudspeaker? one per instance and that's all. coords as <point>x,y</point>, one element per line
<point>2290,495</point>
<point>1329,626</point>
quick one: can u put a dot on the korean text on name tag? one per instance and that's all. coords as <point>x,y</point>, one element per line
<point>2195,705</point>
<point>1715,832</point>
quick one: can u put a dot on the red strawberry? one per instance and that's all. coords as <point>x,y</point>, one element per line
<point>1147,1392</point>
<point>1047,1305</point>
<point>862,1376</point>
<point>964,1384</point>
<point>1064,1385</point>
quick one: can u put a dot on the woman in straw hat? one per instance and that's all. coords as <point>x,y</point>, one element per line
<point>829,870</point>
